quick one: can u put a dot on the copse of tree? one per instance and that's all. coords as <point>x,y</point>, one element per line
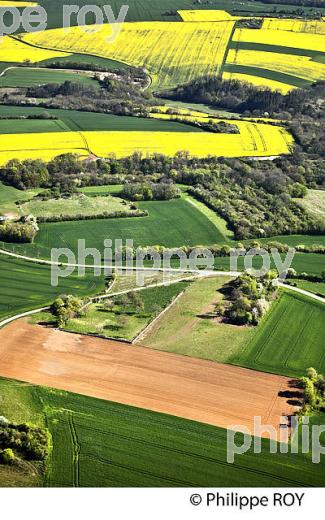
<point>248,298</point>
<point>18,232</point>
<point>22,442</point>
<point>314,391</point>
<point>146,191</point>
<point>66,307</point>
<point>30,173</point>
<point>240,96</point>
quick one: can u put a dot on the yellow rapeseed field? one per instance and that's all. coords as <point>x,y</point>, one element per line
<point>172,52</point>
<point>300,26</point>
<point>41,145</point>
<point>4,3</point>
<point>298,66</point>
<point>313,42</point>
<point>258,81</point>
<point>257,139</point>
<point>13,50</point>
<point>205,15</point>
<point>254,140</point>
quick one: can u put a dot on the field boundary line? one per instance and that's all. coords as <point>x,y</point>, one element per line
<point>147,329</point>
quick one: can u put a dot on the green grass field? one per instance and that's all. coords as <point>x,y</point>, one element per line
<point>28,77</point>
<point>107,189</point>
<point>170,223</point>
<point>313,287</point>
<point>312,263</point>
<point>140,10</point>
<point>99,443</point>
<point>72,120</point>
<point>10,195</point>
<point>188,329</point>
<point>295,240</point>
<point>26,286</point>
<point>124,321</point>
<point>289,340</point>
<point>76,205</point>
<point>314,203</point>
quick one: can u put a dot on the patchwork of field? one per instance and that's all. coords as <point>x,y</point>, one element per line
<point>26,286</point>
<point>170,223</point>
<point>173,53</point>
<point>256,139</point>
<point>72,120</point>
<point>289,338</point>
<point>283,54</point>
<point>194,389</point>
<point>286,64</point>
<point>100,443</point>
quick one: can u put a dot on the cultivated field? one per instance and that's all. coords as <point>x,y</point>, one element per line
<point>173,53</point>
<point>195,389</point>
<point>189,328</point>
<point>10,195</point>
<point>136,446</point>
<point>16,51</point>
<point>27,77</point>
<point>170,223</point>
<point>26,286</point>
<point>72,120</point>
<point>251,142</point>
<point>289,338</point>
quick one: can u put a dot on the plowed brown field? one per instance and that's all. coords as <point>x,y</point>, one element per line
<point>221,395</point>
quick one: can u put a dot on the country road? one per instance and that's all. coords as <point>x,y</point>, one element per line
<point>194,272</point>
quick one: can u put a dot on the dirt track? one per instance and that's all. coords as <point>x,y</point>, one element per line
<point>209,392</point>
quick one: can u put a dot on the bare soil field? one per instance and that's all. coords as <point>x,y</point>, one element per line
<point>197,389</point>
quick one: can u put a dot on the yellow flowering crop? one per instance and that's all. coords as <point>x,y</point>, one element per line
<point>298,66</point>
<point>300,26</point>
<point>205,15</point>
<point>258,81</point>
<point>313,42</point>
<point>254,140</point>
<point>4,3</point>
<point>42,145</point>
<point>172,52</point>
<point>257,139</point>
<point>12,49</point>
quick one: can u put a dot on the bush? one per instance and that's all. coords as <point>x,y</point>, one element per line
<point>7,456</point>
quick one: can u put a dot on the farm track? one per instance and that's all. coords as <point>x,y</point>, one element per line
<point>194,272</point>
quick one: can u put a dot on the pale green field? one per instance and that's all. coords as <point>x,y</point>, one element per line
<point>77,205</point>
<point>219,222</point>
<point>123,320</point>
<point>9,195</point>
<point>187,329</point>
<point>314,203</point>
